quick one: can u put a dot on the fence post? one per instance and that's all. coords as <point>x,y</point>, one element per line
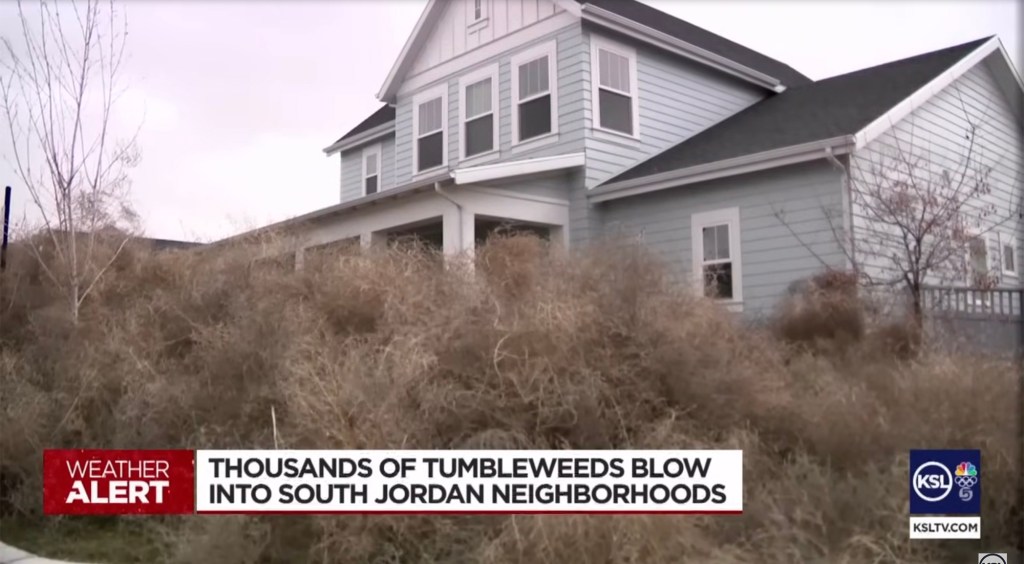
<point>6,224</point>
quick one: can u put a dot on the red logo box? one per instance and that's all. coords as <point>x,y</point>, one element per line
<point>118,482</point>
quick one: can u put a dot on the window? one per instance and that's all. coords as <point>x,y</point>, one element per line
<point>371,170</point>
<point>977,252</point>
<point>535,99</point>
<point>716,254</point>
<point>1008,254</point>
<point>613,68</point>
<point>430,113</point>
<point>479,110</point>
<point>478,10</point>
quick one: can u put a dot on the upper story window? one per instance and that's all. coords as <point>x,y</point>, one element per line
<point>478,10</point>
<point>716,253</point>
<point>614,78</point>
<point>371,170</point>
<point>534,104</point>
<point>479,109</point>
<point>430,139</point>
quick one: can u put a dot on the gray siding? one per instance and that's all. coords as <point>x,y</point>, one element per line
<point>570,117</point>
<point>352,168</point>
<point>936,132</point>
<point>678,98</point>
<point>772,255</point>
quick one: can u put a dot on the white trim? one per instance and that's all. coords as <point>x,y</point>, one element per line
<point>430,12</point>
<point>548,49</point>
<point>480,55</point>
<point>490,72</point>
<point>481,21</point>
<point>901,110</point>
<point>371,150</point>
<point>516,195</point>
<point>439,91</point>
<point>674,45</point>
<point>723,168</point>
<point>1012,244</point>
<point>599,43</point>
<point>363,137</point>
<point>700,220</point>
<point>497,171</point>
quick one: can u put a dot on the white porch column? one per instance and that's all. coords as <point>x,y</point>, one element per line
<point>371,239</point>
<point>459,232</point>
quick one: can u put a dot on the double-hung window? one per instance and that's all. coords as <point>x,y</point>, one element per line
<point>479,109</point>
<point>614,80</point>
<point>1008,254</point>
<point>534,93</point>
<point>717,265</point>
<point>371,170</point>
<point>430,139</point>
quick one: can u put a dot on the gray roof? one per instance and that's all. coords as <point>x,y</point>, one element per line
<point>833,107</point>
<point>700,37</point>
<point>384,114</point>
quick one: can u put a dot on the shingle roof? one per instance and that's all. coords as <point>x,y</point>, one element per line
<point>383,115</point>
<point>685,31</point>
<point>833,107</point>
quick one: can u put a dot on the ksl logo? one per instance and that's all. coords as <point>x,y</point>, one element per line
<point>945,482</point>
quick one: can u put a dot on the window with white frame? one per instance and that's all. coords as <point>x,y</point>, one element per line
<point>534,104</point>
<point>371,170</point>
<point>977,257</point>
<point>613,68</point>
<point>716,254</point>
<point>479,10</point>
<point>479,109</point>
<point>1008,254</point>
<point>430,114</point>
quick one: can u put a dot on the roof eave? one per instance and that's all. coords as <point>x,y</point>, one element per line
<point>368,135</point>
<point>901,110</point>
<point>720,169</point>
<point>654,37</point>
<point>390,87</point>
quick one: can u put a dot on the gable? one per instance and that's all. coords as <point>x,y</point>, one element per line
<point>457,32</point>
<point>449,32</point>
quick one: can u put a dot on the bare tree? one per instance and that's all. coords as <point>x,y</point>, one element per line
<point>58,88</point>
<point>920,208</point>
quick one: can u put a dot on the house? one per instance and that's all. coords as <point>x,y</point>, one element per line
<point>586,119</point>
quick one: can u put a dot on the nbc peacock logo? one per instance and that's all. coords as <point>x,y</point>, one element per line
<point>966,478</point>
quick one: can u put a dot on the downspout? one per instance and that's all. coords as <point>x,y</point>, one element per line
<point>458,206</point>
<point>848,205</point>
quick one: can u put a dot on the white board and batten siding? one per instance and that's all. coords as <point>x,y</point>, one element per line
<point>678,98</point>
<point>772,256</point>
<point>936,130</point>
<point>457,32</point>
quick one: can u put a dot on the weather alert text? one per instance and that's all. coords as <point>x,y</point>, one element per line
<point>79,482</point>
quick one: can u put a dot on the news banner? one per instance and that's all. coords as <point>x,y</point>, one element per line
<point>944,492</point>
<point>382,481</point>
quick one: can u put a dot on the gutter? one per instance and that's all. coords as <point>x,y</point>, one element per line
<point>364,136</point>
<point>458,206</point>
<point>672,44</point>
<point>720,169</point>
<point>847,199</point>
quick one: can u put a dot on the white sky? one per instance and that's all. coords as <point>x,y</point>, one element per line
<point>237,98</point>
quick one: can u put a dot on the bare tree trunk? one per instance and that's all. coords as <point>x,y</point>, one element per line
<point>58,88</point>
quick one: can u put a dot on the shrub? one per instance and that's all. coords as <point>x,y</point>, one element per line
<point>600,349</point>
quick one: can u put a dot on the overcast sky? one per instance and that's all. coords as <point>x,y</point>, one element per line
<point>238,98</point>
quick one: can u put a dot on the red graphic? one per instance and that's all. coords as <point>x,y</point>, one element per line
<point>118,482</point>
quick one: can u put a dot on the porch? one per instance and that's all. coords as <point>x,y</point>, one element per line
<point>989,320</point>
